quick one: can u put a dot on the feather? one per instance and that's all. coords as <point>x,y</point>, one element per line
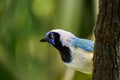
<point>84,44</point>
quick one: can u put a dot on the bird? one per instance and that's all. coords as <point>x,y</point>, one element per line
<point>76,53</point>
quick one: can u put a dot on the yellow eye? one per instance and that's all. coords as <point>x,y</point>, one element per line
<point>51,36</point>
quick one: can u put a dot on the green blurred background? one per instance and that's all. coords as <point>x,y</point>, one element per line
<point>24,22</point>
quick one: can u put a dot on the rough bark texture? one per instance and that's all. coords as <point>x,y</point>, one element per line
<point>106,59</point>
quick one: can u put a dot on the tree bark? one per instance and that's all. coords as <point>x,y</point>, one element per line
<point>106,60</point>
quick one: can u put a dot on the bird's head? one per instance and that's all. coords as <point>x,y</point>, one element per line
<point>61,40</point>
<point>58,37</point>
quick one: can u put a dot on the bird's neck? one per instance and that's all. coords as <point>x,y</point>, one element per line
<point>65,53</point>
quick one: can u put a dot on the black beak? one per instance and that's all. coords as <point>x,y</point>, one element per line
<point>44,40</point>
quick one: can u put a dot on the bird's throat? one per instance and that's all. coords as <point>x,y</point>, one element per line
<point>65,54</point>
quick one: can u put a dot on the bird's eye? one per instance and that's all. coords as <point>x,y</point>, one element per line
<point>51,36</point>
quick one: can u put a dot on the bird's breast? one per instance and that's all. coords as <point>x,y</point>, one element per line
<point>81,60</point>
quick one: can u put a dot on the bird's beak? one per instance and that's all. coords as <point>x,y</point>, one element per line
<point>44,40</point>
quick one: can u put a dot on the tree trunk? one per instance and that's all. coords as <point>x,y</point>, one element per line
<point>106,60</point>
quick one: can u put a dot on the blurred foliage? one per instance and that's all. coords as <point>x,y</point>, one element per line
<point>24,22</point>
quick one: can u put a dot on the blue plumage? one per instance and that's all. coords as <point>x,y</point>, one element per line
<point>84,44</point>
